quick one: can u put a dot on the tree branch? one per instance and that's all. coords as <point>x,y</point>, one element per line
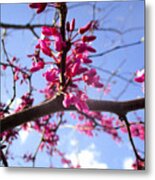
<point>55,105</point>
<point>63,14</point>
<point>124,118</point>
<point>22,26</point>
<point>116,48</point>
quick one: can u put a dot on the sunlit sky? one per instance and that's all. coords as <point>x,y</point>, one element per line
<point>100,151</point>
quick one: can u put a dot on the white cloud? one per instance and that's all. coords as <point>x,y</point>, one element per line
<point>23,134</point>
<point>127,164</point>
<point>74,142</point>
<point>86,159</point>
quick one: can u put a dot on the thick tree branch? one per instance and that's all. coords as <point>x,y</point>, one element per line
<point>55,105</point>
<point>63,15</point>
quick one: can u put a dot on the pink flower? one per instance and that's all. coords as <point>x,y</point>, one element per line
<point>107,89</point>
<point>27,101</point>
<point>49,31</point>
<point>44,45</point>
<point>9,135</point>
<point>51,75</point>
<point>58,41</point>
<point>139,165</point>
<point>4,67</point>
<point>86,128</point>
<point>16,75</point>
<point>84,59</point>
<point>50,90</point>
<point>68,100</point>
<point>83,47</point>
<point>75,68</point>
<point>58,44</point>
<point>78,100</point>
<point>91,78</point>
<point>36,66</point>
<point>40,7</point>
<point>65,161</point>
<point>140,76</point>
<point>137,130</point>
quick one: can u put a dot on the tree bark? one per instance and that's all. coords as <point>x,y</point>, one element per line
<point>55,105</point>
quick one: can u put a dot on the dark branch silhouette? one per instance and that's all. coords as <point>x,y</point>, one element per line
<point>55,105</point>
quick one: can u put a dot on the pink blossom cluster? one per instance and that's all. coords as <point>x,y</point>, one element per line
<point>48,130</point>
<point>140,78</point>
<point>139,165</point>
<point>87,128</point>
<point>136,129</point>
<point>77,58</point>
<point>96,120</point>
<point>64,160</point>
<point>108,126</point>
<point>9,135</point>
<point>27,101</point>
<point>18,72</point>
<point>78,99</point>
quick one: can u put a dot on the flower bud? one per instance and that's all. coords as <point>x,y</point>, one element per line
<point>85,28</point>
<point>72,25</point>
<point>68,26</point>
<point>88,38</point>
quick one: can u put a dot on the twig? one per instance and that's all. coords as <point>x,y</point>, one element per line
<point>124,118</point>
<point>116,48</point>
<point>3,158</point>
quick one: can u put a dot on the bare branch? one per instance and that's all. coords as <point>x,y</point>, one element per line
<point>24,26</point>
<point>124,118</point>
<point>116,48</point>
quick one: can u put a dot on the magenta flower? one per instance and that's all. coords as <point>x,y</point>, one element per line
<point>26,101</point>
<point>92,79</point>
<point>51,75</point>
<point>137,130</point>
<point>84,59</point>
<point>44,45</point>
<point>58,41</point>
<point>49,31</point>
<point>78,100</point>
<point>36,66</point>
<point>68,100</point>
<point>83,47</point>
<point>40,7</point>
<point>139,165</point>
<point>140,76</point>
<point>86,128</point>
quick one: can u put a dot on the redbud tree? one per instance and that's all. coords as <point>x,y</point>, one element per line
<point>78,74</point>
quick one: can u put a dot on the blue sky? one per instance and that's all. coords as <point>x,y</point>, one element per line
<point>102,150</point>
